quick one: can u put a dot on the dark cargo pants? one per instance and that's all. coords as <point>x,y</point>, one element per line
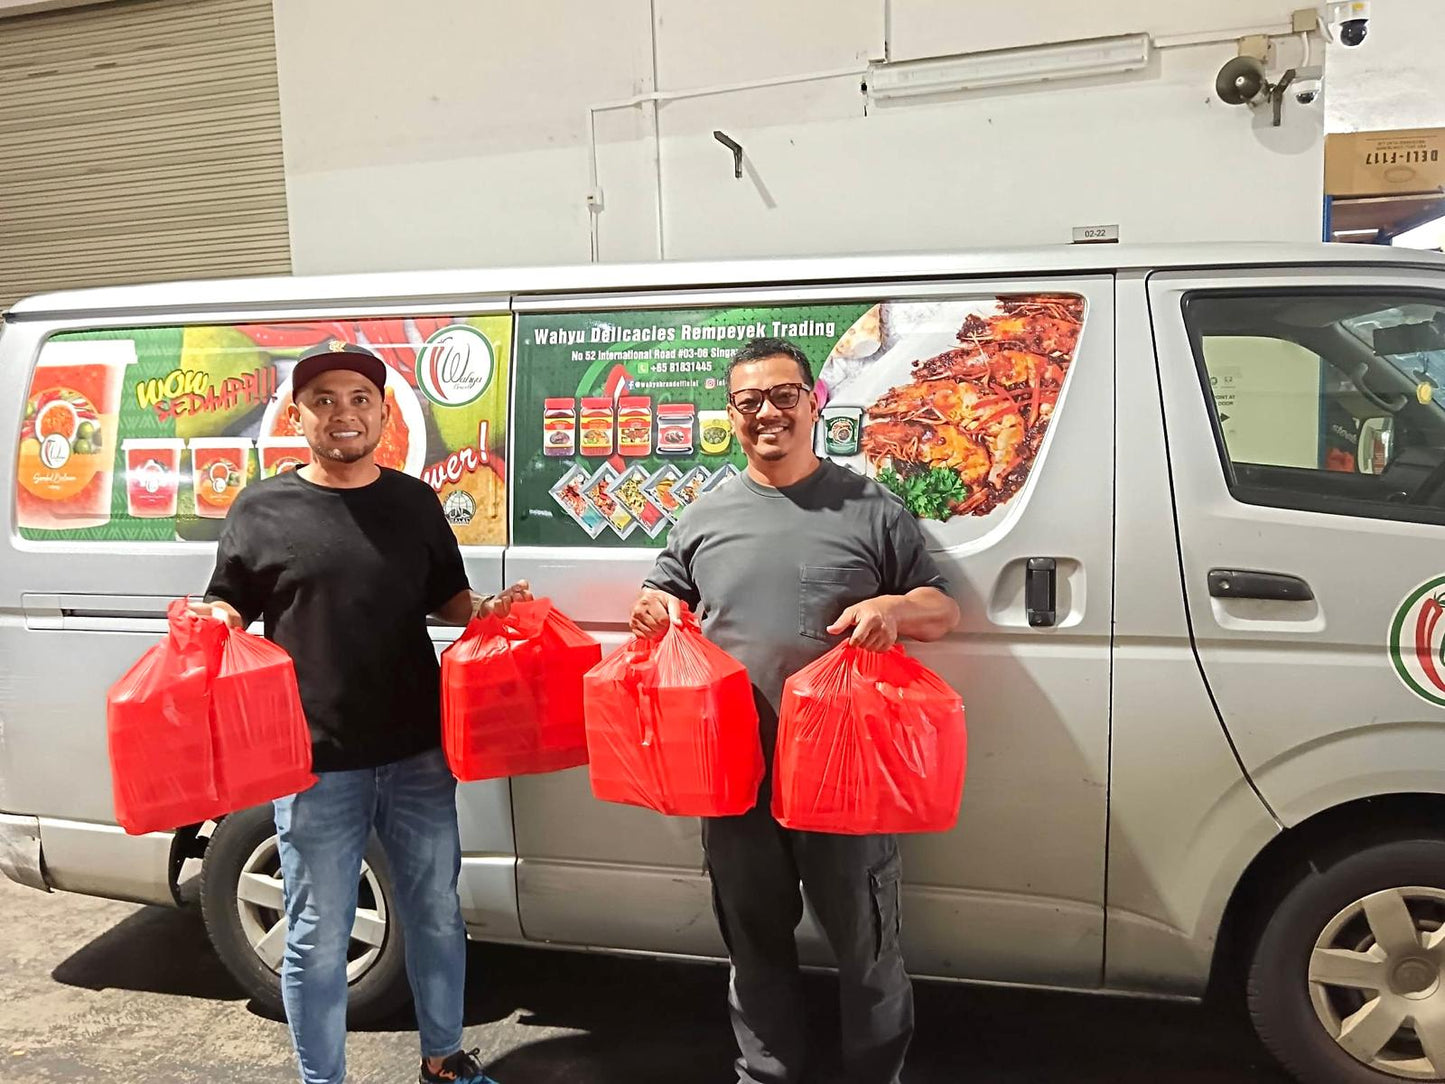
<point>852,884</point>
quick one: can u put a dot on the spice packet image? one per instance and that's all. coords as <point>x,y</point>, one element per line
<point>627,491</point>
<point>726,473</point>
<point>659,490</point>
<point>568,492</point>
<point>597,491</point>
<point>689,487</point>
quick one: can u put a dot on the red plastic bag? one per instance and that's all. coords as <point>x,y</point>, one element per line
<point>159,730</point>
<point>672,726</point>
<point>261,743</point>
<point>869,742</point>
<point>512,693</point>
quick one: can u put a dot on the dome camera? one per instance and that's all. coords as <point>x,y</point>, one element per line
<point>1353,19</point>
<point>1308,84</point>
<point>1353,31</point>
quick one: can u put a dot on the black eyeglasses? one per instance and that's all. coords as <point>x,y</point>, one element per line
<point>782,396</point>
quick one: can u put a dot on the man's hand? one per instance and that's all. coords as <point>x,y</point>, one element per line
<point>467,604</point>
<point>925,613</point>
<point>501,605</point>
<point>874,623</point>
<point>218,611</point>
<point>653,612</point>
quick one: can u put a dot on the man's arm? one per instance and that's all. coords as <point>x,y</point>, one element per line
<point>232,595</point>
<point>465,605</point>
<point>668,587</point>
<point>925,613</point>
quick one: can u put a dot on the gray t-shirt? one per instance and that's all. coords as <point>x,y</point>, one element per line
<point>769,570</point>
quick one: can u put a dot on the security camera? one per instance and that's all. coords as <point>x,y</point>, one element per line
<point>1353,31</point>
<point>1308,85</point>
<point>1353,18</point>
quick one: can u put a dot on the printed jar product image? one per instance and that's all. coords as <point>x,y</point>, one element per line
<point>559,427</point>
<point>152,477</point>
<point>68,438</point>
<point>218,468</point>
<point>596,427</point>
<point>282,454</point>
<point>634,425</point>
<point>675,428</point>
<point>717,431</point>
<point>842,429</point>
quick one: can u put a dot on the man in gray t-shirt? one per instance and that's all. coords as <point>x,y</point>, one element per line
<point>783,563</point>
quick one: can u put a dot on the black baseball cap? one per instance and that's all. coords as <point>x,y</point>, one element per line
<point>337,354</point>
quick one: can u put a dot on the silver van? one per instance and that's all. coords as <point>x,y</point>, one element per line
<point>1192,501</point>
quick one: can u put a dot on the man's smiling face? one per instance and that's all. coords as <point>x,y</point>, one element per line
<point>773,433</point>
<point>342,415</point>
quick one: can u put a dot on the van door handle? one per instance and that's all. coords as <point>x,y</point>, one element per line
<point>1040,589</point>
<point>1272,586</point>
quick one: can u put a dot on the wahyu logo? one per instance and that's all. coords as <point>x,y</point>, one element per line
<point>455,366</point>
<point>1417,641</point>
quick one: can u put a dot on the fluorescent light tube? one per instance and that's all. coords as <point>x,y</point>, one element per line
<point>1010,67</point>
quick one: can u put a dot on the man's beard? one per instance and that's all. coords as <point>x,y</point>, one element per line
<point>337,455</point>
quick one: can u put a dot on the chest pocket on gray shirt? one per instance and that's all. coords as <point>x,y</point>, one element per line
<point>824,592</point>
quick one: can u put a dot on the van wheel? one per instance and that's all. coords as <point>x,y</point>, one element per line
<point>241,899</point>
<point>1347,984</point>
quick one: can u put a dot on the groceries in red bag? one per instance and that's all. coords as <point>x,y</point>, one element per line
<point>868,741</point>
<point>512,693</point>
<point>672,726</point>
<point>260,739</point>
<point>158,722</point>
<point>209,721</point>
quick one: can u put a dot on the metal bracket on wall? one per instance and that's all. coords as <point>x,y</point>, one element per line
<point>734,146</point>
<point>1276,93</point>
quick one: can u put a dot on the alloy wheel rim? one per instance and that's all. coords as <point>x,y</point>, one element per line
<point>1377,981</point>
<point>260,904</point>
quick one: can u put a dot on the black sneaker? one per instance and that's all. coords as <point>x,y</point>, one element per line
<point>461,1068</point>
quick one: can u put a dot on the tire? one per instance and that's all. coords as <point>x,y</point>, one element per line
<point>247,927</point>
<point>1366,918</point>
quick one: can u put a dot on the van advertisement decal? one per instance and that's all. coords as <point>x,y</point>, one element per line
<point>622,420</point>
<point>1417,641</point>
<point>150,434</point>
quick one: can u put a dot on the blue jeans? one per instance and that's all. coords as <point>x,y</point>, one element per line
<point>323,832</point>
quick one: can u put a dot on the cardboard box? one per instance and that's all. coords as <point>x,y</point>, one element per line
<point>1385,163</point>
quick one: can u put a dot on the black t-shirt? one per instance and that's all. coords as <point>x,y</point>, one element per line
<point>344,580</point>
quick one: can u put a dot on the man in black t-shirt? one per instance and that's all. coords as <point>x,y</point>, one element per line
<point>343,561</point>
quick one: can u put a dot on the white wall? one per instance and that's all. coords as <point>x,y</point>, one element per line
<point>445,132</point>
<point>1396,79</point>
<point>460,139</point>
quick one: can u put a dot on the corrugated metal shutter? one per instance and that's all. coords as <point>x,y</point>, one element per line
<point>140,140</point>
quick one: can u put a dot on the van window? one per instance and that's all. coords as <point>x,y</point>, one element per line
<point>1327,401</point>
<point>150,434</point>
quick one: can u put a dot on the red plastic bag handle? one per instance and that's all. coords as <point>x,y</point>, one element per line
<point>192,634</point>
<point>525,619</point>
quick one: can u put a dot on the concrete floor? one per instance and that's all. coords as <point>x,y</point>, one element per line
<point>97,991</point>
